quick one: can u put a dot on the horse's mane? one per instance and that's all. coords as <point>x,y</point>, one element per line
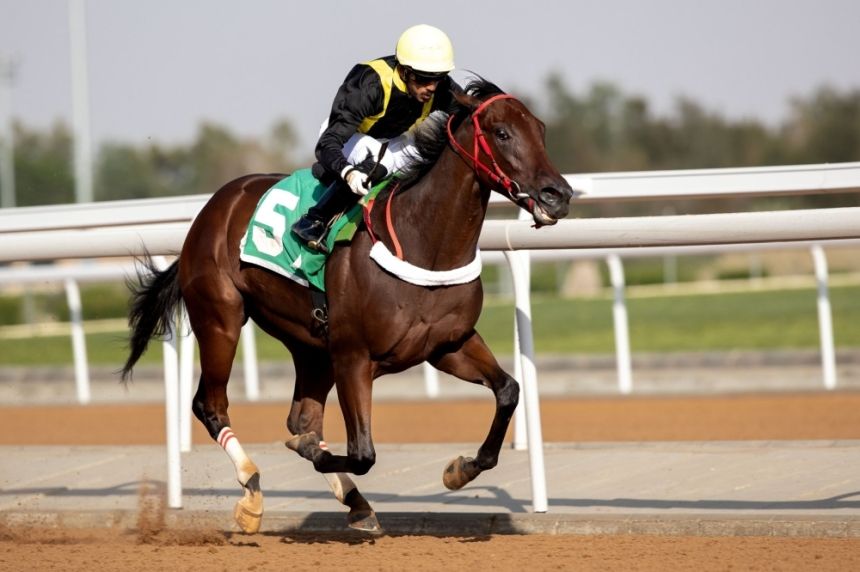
<point>431,136</point>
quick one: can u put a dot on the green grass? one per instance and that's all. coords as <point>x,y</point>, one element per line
<point>783,319</point>
<point>752,320</point>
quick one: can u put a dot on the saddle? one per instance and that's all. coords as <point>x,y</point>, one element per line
<point>268,242</point>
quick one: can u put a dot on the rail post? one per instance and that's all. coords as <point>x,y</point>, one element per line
<point>171,408</point>
<point>249,362</point>
<point>431,381</point>
<point>622,332</point>
<point>79,344</point>
<point>186,379</point>
<point>519,269</point>
<point>825,320</point>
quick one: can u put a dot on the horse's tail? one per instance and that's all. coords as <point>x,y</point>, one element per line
<point>153,303</point>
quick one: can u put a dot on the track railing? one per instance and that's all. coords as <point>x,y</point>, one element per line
<point>125,228</point>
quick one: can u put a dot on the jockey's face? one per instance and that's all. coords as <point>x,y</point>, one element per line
<point>420,87</point>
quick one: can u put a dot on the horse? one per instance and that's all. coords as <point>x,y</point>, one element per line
<point>377,322</point>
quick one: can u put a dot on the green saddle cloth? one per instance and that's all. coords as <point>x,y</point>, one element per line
<point>269,243</point>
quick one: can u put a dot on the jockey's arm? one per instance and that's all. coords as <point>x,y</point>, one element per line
<point>360,96</point>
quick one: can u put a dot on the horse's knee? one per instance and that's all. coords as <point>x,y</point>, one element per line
<point>508,396</point>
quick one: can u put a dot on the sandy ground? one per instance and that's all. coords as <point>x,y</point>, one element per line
<point>200,550</point>
<point>153,547</point>
<point>787,416</point>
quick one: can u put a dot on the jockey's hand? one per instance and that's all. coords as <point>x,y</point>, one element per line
<point>359,183</point>
<point>376,171</point>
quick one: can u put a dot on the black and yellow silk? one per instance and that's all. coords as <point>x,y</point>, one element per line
<point>373,100</point>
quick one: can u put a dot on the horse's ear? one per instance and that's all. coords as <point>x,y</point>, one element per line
<point>466,100</point>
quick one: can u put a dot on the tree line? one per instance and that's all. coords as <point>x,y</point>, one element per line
<point>601,129</point>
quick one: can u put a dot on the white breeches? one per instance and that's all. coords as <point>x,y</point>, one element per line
<point>401,150</point>
<point>400,153</point>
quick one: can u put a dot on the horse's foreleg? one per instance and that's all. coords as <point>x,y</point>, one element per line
<point>313,382</point>
<point>475,363</point>
<point>361,515</point>
<point>354,395</point>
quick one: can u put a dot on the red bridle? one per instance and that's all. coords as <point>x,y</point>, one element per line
<point>494,171</point>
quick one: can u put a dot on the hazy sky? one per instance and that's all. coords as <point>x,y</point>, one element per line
<point>159,67</point>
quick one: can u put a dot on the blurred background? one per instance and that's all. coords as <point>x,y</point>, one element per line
<point>176,98</point>
<point>182,96</point>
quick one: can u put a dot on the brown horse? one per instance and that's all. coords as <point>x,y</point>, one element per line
<point>378,323</point>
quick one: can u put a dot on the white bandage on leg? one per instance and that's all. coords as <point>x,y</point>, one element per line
<point>228,441</point>
<point>340,483</point>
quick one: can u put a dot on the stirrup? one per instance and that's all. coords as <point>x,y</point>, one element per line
<point>306,229</point>
<point>319,244</point>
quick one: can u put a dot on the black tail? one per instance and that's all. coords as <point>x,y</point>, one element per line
<point>152,308</point>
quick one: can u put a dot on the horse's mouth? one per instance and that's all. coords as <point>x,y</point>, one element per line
<point>541,217</point>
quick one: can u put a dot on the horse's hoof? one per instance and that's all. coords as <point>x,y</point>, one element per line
<point>364,521</point>
<point>459,472</point>
<point>248,511</point>
<point>298,442</point>
<point>247,518</point>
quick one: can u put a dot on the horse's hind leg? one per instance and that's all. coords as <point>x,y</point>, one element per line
<point>475,363</point>
<point>314,381</point>
<point>217,322</point>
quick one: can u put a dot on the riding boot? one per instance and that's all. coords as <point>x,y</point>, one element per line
<point>313,226</point>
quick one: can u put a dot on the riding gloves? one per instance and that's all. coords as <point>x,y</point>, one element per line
<point>359,183</point>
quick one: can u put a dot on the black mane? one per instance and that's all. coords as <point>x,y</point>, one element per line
<point>431,136</point>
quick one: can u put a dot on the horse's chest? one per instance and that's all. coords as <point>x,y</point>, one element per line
<point>437,316</point>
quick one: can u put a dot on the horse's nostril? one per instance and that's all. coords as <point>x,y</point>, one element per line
<point>551,195</point>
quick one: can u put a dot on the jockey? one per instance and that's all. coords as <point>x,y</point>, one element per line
<point>379,101</point>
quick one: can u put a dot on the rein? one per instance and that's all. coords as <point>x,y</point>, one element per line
<point>398,250</point>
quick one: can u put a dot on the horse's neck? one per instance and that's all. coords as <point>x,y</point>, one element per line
<point>438,220</point>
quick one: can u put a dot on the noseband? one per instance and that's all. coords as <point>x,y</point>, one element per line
<point>494,171</point>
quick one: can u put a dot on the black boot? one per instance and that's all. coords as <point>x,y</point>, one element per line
<point>313,226</point>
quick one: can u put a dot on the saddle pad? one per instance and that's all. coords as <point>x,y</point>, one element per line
<point>269,243</point>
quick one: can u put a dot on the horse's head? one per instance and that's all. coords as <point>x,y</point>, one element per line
<point>507,150</point>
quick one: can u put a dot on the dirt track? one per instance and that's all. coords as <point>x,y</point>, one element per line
<point>201,550</point>
<point>768,417</point>
<point>795,416</point>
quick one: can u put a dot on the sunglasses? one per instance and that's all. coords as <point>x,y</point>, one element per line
<point>425,78</point>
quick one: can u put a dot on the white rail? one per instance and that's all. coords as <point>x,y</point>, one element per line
<point>709,183</point>
<point>593,187</point>
<point>679,230</point>
<point>159,227</point>
<point>70,275</point>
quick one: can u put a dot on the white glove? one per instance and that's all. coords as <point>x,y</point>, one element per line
<point>359,183</point>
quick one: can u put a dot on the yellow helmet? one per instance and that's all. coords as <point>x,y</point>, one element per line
<point>425,49</point>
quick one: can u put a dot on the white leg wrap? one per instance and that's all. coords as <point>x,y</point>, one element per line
<point>228,441</point>
<point>340,483</point>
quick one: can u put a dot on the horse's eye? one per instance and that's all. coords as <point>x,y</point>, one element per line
<point>501,134</point>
